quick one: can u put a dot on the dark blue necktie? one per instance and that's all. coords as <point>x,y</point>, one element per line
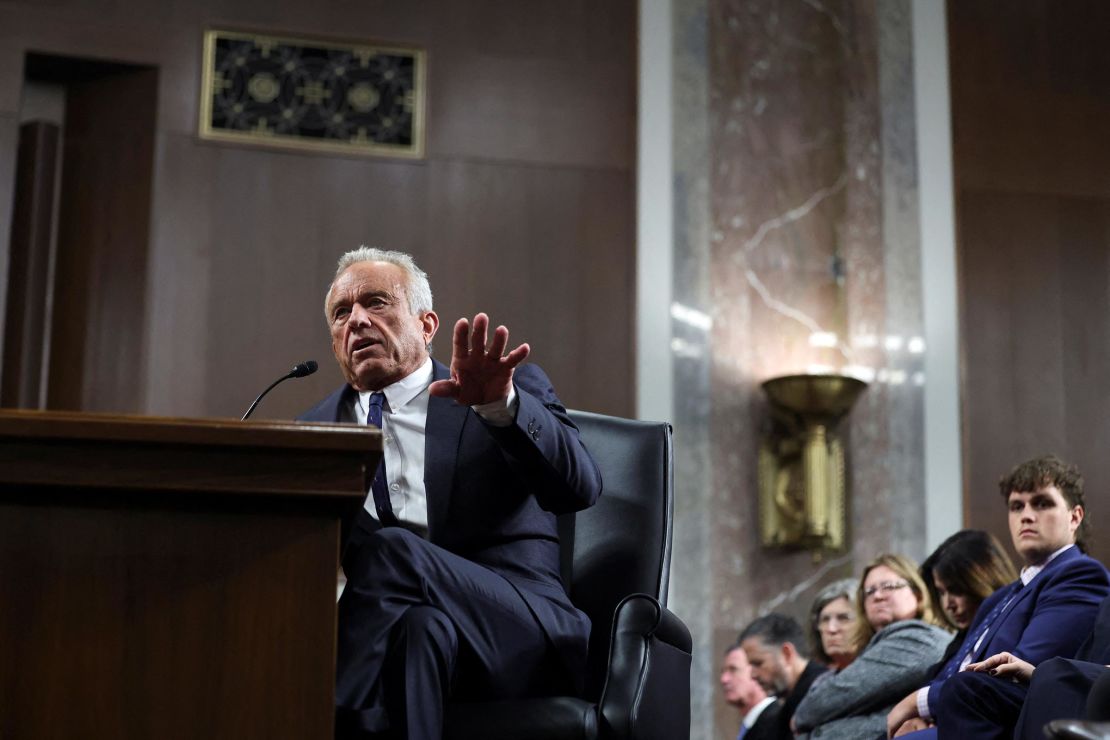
<point>971,639</point>
<point>378,487</point>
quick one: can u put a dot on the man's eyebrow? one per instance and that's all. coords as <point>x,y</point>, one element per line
<point>346,299</point>
<point>376,293</point>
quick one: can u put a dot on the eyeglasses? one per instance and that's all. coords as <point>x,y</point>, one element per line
<point>886,587</point>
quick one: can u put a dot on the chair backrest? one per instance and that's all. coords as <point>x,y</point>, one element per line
<point>622,544</point>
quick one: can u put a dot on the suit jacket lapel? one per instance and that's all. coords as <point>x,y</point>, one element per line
<point>1024,593</point>
<point>442,433</point>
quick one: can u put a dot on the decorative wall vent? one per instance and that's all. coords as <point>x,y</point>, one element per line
<point>312,94</point>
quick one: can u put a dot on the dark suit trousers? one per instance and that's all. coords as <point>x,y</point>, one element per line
<point>980,706</point>
<point>418,624</point>
<point>1058,691</point>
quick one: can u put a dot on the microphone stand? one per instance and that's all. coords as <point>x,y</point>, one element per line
<point>298,371</point>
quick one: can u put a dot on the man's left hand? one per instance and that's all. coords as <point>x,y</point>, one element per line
<point>479,373</point>
<point>912,725</point>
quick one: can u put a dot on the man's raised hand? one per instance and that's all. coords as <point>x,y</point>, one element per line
<point>479,372</point>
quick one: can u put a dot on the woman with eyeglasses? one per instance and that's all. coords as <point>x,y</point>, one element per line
<point>897,640</point>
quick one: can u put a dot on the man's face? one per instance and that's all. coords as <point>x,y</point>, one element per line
<point>1041,523</point>
<point>739,687</point>
<point>376,338</point>
<point>768,666</point>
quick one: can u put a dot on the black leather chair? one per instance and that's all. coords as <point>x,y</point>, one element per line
<point>616,558</point>
<point>1077,729</point>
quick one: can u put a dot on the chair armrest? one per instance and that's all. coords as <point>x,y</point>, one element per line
<point>1075,729</point>
<point>647,689</point>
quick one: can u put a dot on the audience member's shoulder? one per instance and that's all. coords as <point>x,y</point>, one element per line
<point>1081,564</point>
<point>770,713</point>
<point>913,628</point>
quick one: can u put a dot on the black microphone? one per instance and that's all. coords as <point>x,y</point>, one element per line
<point>299,371</point>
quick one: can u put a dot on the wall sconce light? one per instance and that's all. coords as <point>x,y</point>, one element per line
<point>801,461</point>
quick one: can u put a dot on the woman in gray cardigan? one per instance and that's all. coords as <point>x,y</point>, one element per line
<point>899,640</point>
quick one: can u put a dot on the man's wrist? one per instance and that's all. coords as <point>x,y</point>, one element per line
<point>923,704</point>
<point>499,413</point>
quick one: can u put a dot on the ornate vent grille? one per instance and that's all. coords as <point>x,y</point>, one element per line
<point>311,94</point>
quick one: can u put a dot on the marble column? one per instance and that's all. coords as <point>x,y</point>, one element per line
<point>796,250</point>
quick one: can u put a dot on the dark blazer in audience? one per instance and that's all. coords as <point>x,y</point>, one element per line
<point>1048,617</point>
<point>791,701</point>
<point>1060,686</point>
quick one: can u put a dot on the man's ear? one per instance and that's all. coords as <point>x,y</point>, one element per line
<point>429,322</point>
<point>1077,515</point>
<point>789,652</point>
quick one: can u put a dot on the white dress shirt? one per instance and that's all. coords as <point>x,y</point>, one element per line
<point>403,421</point>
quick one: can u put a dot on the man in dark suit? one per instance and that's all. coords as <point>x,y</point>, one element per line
<point>453,583</point>
<point>775,645</point>
<point>1046,613</point>
<point>1059,688</point>
<point>759,713</point>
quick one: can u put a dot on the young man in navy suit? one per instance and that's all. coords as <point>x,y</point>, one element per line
<point>1061,688</point>
<point>1046,613</point>
<point>453,582</point>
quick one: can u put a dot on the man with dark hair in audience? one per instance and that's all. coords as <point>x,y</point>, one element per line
<point>759,713</point>
<point>1046,613</point>
<point>775,646</point>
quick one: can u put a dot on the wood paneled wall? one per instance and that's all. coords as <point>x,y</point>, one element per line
<point>523,207</point>
<point>1030,111</point>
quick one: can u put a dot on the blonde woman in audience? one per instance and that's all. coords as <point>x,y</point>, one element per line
<point>897,640</point>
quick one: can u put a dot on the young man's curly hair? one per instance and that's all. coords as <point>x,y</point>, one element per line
<point>1049,470</point>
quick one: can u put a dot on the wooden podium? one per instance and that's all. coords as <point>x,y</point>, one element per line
<point>172,578</point>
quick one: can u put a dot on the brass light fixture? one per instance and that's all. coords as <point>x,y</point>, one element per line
<point>801,461</point>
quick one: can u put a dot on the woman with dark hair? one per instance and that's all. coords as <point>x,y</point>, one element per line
<point>963,571</point>
<point>968,567</point>
<point>897,639</point>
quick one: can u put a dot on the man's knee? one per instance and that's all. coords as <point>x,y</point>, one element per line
<point>392,549</point>
<point>394,540</point>
<point>427,630</point>
<point>1052,669</point>
<point>965,686</point>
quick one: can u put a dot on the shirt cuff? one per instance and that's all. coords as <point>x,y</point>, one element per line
<point>923,704</point>
<point>499,413</point>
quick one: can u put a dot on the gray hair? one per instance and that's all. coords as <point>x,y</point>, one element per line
<point>419,291</point>
<point>845,588</point>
